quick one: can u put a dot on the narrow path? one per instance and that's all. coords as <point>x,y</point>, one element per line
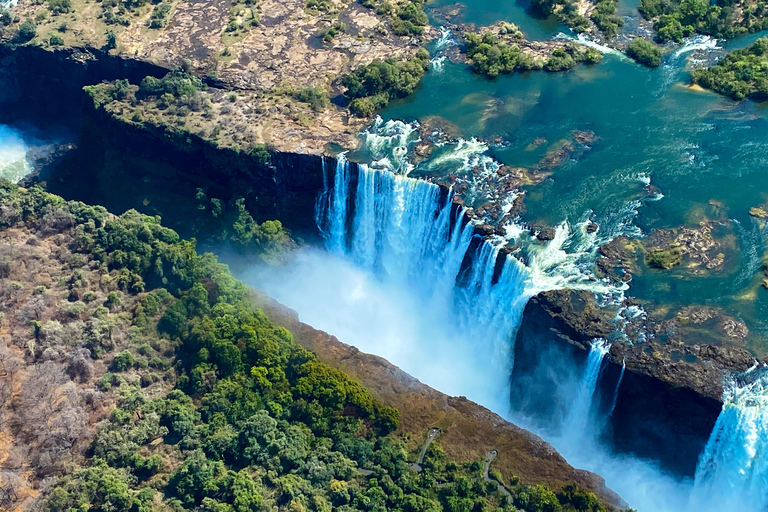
<point>486,467</point>
<point>433,433</point>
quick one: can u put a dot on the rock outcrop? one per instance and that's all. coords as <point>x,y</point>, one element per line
<point>670,393</point>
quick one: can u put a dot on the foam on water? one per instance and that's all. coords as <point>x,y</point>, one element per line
<point>585,40</point>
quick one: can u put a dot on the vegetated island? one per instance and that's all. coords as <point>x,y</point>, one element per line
<point>140,375</point>
<point>740,74</point>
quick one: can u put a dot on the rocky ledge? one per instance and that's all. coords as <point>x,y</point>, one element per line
<point>662,392</point>
<point>257,56</point>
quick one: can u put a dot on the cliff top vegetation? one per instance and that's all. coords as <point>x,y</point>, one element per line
<point>258,48</point>
<point>158,385</point>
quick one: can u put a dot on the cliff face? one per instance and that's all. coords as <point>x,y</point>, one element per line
<point>669,397</point>
<point>46,86</point>
<point>164,170</point>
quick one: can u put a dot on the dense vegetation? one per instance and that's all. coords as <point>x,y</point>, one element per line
<point>570,55</point>
<point>676,19</point>
<point>217,409</point>
<point>373,86</point>
<point>645,52</point>
<point>491,56</point>
<point>567,11</point>
<point>740,74</point>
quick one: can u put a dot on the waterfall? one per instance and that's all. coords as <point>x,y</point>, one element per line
<point>733,468</point>
<point>576,426</point>
<point>13,155</point>
<point>618,385</point>
<point>409,231</point>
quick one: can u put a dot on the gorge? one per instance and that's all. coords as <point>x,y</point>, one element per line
<point>487,237</point>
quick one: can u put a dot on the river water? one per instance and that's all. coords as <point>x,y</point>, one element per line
<point>666,155</point>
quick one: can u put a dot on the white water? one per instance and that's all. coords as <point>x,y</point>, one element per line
<point>733,469</point>
<point>694,43</point>
<point>395,281</point>
<point>408,235</point>
<point>618,386</point>
<point>13,152</point>
<point>576,425</point>
<point>585,40</point>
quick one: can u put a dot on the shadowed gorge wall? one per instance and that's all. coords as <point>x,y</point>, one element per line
<point>46,86</point>
<point>652,418</point>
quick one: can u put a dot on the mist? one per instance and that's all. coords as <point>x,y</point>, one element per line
<point>13,153</point>
<point>420,334</point>
<point>413,330</point>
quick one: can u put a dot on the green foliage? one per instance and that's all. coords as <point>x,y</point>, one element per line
<point>664,258</point>
<point>159,17</point>
<point>122,361</point>
<point>372,87</point>
<point>55,40</point>
<point>59,6</point>
<point>111,40</point>
<point>645,52</point>
<point>317,97</point>
<point>603,16</point>
<point>335,29</point>
<point>407,18</point>
<point>492,57</point>
<point>675,19</point>
<point>5,16</point>
<point>569,56</point>
<point>742,73</point>
<point>254,422</point>
<point>178,82</point>
<point>98,488</point>
<point>27,31</point>
<point>325,6</point>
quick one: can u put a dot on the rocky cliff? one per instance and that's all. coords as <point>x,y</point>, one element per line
<point>670,394</point>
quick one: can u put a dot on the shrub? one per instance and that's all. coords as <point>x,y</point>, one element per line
<point>111,40</point>
<point>664,258</point>
<point>59,6</point>
<point>159,16</point>
<point>740,74</point>
<point>644,52</point>
<point>122,361</point>
<point>317,98</point>
<point>27,31</point>
<point>377,83</point>
<point>490,56</point>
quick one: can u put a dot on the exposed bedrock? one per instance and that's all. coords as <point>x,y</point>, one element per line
<point>670,394</point>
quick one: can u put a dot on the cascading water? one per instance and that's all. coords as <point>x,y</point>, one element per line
<point>576,425</point>
<point>410,231</point>
<point>406,277</point>
<point>733,469</point>
<point>618,386</point>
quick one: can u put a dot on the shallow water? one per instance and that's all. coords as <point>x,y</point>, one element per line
<point>703,155</point>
